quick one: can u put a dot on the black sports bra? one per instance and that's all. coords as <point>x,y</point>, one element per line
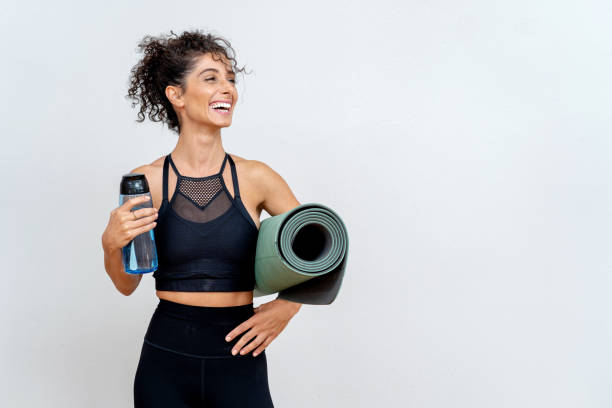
<point>205,239</point>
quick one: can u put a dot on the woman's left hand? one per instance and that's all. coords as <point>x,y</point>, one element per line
<point>265,325</point>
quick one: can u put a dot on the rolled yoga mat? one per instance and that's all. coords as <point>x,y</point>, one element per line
<point>302,254</point>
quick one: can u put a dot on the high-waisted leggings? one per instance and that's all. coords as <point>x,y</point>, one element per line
<point>185,360</point>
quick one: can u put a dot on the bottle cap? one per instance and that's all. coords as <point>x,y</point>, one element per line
<point>133,183</point>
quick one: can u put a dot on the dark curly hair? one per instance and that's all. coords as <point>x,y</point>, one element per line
<point>167,61</point>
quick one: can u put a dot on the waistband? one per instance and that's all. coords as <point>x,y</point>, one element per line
<point>205,314</point>
<point>196,331</point>
<point>202,283</point>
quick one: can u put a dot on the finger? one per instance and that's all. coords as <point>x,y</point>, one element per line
<point>239,329</point>
<point>263,346</point>
<point>248,336</point>
<point>141,221</point>
<point>137,231</point>
<point>132,202</point>
<point>134,215</point>
<point>252,345</point>
<point>243,341</point>
<point>142,212</point>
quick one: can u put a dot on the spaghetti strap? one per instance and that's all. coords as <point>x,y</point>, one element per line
<point>223,165</point>
<point>173,166</point>
<point>234,177</point>
<point>165,180</point>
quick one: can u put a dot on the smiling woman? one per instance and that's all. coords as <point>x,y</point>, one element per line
<point>171,61</point>
<point>205,220</point>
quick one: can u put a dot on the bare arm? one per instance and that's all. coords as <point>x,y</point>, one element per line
<point>272,317</point>
<point>113,263</point>
<point>123,226</point>
<point>278,199</point>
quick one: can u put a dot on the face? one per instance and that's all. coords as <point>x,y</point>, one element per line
<point>209,96</point>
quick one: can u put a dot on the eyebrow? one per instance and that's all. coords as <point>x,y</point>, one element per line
<point>216,70</point>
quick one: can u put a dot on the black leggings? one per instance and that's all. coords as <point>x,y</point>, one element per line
<point>186,362</point>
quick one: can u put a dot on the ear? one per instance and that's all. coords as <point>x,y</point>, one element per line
<point>175,95</point>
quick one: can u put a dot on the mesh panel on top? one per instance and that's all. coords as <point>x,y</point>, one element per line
<point>200,191</point>
<point>216,205</point>
<point>200,199</point>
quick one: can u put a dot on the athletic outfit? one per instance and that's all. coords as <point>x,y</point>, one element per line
<point>206,242</point>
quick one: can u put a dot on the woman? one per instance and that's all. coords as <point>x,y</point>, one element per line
<point>205,344</point>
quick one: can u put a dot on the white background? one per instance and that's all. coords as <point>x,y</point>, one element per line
<point>466,144</point>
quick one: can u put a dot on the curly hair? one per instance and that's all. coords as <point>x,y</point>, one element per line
<point>167,60</point>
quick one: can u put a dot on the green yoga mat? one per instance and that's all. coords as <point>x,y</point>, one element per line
<point>302,255</point>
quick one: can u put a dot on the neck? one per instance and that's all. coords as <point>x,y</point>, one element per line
<point>199,151</point>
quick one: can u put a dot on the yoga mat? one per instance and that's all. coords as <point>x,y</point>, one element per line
<point>302,254</point>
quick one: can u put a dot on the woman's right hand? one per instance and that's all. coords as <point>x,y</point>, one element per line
<point>124,224</point>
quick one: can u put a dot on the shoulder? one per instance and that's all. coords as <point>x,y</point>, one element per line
<point>153,173</point>
<point>257,172</point>
<point>276,195</point>
<point>150,170</point>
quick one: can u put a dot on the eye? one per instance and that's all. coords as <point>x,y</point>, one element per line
<point>213,78</point>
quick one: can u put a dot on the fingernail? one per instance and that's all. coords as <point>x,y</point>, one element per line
<point>242,352</point>
<point>254,354</point>
<point>234,352</point>
<point>228,338</point>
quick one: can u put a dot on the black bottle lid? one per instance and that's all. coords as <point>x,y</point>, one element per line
<point>133,183</point>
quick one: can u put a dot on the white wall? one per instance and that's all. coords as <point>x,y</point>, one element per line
<point>465,144</point>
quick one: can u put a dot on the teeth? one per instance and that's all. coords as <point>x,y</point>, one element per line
<point>220,105</point>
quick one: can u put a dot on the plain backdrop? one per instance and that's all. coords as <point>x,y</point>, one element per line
<point>466,144</point>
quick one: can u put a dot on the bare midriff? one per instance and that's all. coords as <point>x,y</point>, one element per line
<point>213,299</point>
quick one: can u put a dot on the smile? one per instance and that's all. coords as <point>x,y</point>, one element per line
<point>222,108</point>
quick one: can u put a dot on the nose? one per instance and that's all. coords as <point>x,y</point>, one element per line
<point>226,89</point>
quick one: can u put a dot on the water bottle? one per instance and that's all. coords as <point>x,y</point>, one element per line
<point>140,255</point>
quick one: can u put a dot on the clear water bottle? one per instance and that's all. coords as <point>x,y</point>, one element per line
<point>140,255</point>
